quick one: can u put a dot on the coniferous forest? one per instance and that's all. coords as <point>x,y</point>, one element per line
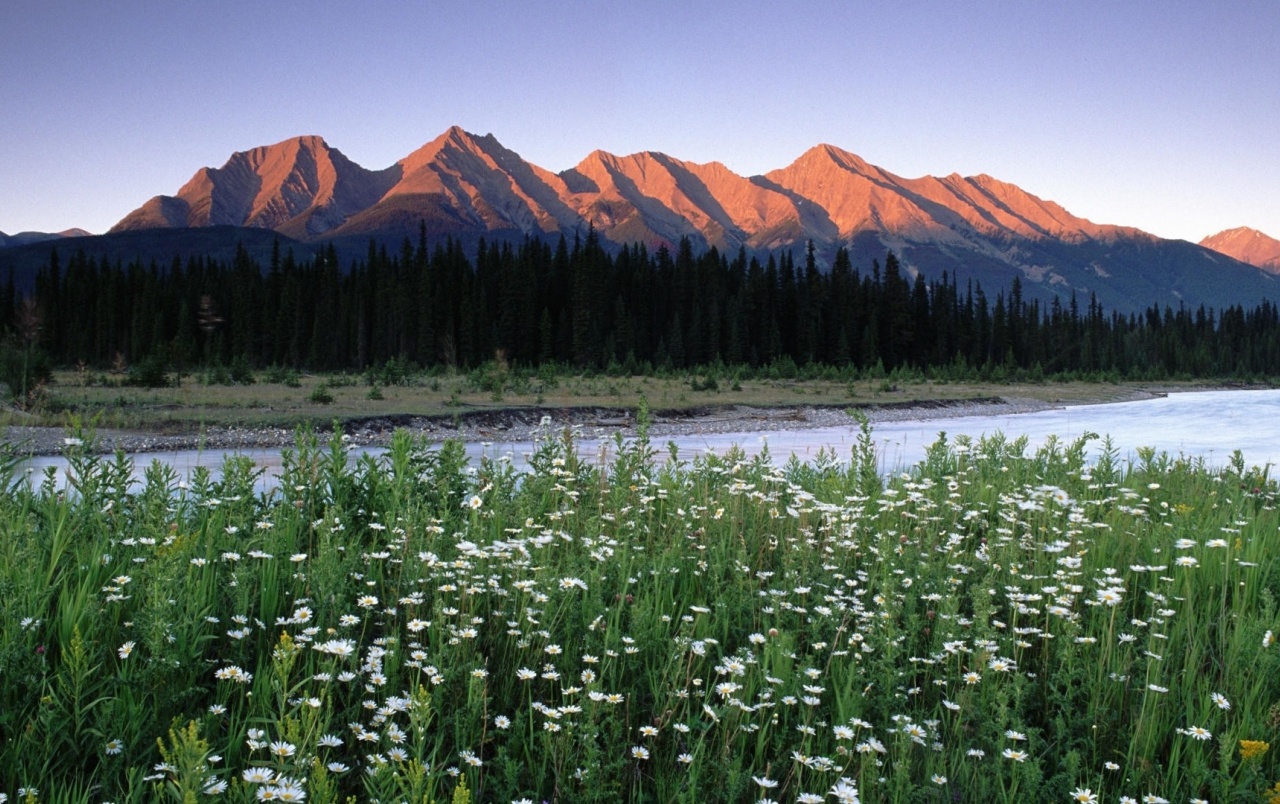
<point>576,305</point>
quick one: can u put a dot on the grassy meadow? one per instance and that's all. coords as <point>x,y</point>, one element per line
<point>993,625</point>
<point>278,398</point>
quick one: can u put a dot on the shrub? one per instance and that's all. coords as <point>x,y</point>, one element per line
<point>241,371</point>
<point>150,372</point>
<point>321,395</point>
<point>15,360</point>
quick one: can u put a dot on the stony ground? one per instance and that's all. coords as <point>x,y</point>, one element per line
<point>521,424</point>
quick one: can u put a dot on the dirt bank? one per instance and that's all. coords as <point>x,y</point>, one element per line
<point>522,423</point>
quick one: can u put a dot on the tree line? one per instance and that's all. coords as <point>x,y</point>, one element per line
<point>575,304</point>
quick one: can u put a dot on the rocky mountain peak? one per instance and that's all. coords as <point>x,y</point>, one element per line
<point>1247,245</point>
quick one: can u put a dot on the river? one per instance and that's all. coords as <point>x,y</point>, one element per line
<point>1205,424</point>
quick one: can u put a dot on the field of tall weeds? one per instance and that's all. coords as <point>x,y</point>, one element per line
<point>996,624</point>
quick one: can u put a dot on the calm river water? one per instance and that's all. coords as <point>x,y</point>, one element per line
<point>1208,425</point>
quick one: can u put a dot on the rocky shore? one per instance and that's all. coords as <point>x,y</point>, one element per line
<point>522,424</point>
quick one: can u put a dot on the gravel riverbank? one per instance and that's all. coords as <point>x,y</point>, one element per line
<point>522,424</point>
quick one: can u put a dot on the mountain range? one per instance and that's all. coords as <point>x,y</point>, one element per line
<point>466,186</point>
<point>27,238</point>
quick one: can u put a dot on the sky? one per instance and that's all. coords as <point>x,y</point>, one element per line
<point>1158,115</point>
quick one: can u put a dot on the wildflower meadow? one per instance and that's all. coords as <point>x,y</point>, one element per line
<point>996,624</point>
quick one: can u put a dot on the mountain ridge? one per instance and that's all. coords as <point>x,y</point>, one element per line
<point>470,186</point>
<point>27,238</point>
<point>272,186</point>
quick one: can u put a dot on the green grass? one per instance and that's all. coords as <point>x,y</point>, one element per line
<point>993,625</point>
<point>193,404</point>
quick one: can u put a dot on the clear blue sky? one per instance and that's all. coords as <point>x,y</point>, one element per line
<point>1160,115</point>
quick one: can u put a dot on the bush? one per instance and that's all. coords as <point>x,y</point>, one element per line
<point>490,377</point>
<point>274,374</point>
<point>549,376</point>
<point>281,375</point>
<point>150,372</point>
<point>396,371</point>
<point>217,374</point>
<point>241,371</point>
<point>14,360</point>
<point>708,383</point>
<point>321,395</point>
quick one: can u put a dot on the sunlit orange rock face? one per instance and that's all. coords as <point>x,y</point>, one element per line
<point>1247,245</point>
<point>304,188</point>
<point>858,197</point>
<point>299,187</point>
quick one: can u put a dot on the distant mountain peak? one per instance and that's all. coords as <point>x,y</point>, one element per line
<point>829,155</point>
<point>458,137</point>
<point>27,238</point>
<point>284,149</point>
<point>299,186</point>
<point>1247,245</point>
<point>1239,231</point>
<point>314,141</point>
<point>454,140</point>
<point>460,134</point>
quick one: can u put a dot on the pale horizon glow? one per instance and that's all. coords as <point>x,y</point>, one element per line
<point>1157,117</point>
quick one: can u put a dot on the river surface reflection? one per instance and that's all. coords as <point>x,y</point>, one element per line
<point>1208,425</point>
